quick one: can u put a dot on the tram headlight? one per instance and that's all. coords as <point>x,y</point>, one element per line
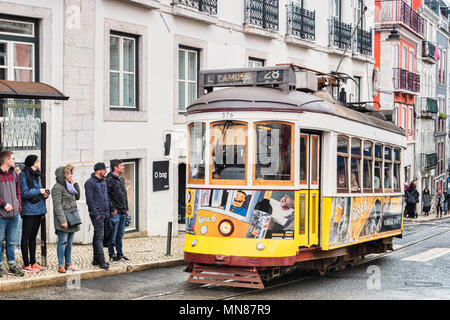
<point>203,229</point>
<point>260,246</point>
<point>226,227</point>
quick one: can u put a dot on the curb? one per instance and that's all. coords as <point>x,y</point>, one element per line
<point>73,277</point>
<point>430,219</point>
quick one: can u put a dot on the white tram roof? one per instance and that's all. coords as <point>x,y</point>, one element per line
<point>277,100</point>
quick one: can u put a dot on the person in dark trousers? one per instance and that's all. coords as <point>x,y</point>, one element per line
<point>10,207</point>
<point>412,198</point>
<point>439,200</point>
<point>426,201</point>
<point>445,201</point>
<point>98,206</point>
<point>118,207</point>
<point>33,209</point>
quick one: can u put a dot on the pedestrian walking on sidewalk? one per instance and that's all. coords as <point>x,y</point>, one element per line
<point>65,194</point>
<point>412,198</point>
<point>447,202</point>
<point>439,201</point>
<point>445,197</point>
<point>98,206</point>
<point>10,207</point>
<point>118,207</point>
<point>426,201</point>
<point>33,209</point>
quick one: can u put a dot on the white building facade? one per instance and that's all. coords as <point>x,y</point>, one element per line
<point>130,69</point>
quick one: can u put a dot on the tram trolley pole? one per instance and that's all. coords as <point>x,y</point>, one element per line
<point>169,238</point>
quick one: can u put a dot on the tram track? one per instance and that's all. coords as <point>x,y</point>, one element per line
<point>300,277</point>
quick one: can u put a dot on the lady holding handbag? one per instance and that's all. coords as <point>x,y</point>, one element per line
<point>65,193</point>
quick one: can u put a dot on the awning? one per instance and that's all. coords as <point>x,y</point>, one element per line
<point>29,90</point>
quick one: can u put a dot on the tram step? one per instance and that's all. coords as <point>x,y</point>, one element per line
<point>232,277</point>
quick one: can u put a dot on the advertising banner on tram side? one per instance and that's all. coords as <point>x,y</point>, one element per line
<point>355,219</point>
<point>257,214</point>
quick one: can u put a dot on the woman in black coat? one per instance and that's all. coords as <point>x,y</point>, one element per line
<point>412,198</point>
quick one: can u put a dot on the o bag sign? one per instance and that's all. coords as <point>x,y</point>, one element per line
<point>160,175</point>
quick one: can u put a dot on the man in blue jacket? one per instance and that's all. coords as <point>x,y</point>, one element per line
<point>98,206</point>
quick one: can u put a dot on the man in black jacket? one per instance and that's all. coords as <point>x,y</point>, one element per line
<point>118,206</point>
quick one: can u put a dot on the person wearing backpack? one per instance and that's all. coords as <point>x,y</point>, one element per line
<point>65,194</point>
<point>33,209</point>
<point>412,198</point>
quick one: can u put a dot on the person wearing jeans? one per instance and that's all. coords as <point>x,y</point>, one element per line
<point>118,206</point>
<point>10,206</point>
<point>98,206</point>
<point>65,194</point>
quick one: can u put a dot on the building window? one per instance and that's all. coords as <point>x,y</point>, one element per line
<point>19,52</point>
<point>357,89</point>
<point>188,67</point>
<point>255,62</point>
<point>123,66</point>
<point>131,176</point>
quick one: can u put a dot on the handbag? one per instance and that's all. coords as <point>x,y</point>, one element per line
<point>73,217</point>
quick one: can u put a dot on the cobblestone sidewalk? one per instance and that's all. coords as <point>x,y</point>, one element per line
<point>144,253</point>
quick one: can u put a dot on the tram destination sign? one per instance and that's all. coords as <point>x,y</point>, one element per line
<point>243,78</point>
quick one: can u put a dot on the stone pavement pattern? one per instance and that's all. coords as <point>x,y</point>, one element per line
<point>143,252</point>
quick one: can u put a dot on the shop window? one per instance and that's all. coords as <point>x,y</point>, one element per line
<point>387,168</point>
<point>19,52</point>
<point>355,185</point>
<point>273,152</point>
<point>123,61</point>
<point>228,152</point>
<point>377,174</point>
<point>367,166</point>
<point>197,152</point>
<point>131,176</point>
<point>342,164</point>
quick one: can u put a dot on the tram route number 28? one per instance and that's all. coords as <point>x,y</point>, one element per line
<point>269,76</point>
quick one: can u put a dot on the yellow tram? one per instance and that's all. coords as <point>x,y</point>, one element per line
<point>282,177</point>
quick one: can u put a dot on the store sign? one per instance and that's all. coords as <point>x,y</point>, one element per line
<point>160,175</point>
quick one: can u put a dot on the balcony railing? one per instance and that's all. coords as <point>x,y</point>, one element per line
<point>429,160</point>
<point>398,12</point>
<point>340,33</point>
<point>301,22</point>
<point>206,6</point>
<point>262,13</point>
<point>433,5</point>
<point>405,80</point>
<point>364,41</point>
<point>429,51</point>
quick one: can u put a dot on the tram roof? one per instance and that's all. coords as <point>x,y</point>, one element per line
<point>276,100</point>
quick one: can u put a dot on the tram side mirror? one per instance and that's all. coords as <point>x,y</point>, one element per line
<point>167,144</point>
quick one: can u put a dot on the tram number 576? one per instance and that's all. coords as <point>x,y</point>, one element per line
<point>227,115</point>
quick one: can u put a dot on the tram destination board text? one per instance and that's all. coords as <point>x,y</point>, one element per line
<point>244,78</point>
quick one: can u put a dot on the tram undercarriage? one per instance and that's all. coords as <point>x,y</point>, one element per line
<point>310,259</point>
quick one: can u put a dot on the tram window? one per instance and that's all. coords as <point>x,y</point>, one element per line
<point>197,152</point>
<point>367,166</point>
<point>228,152</point>
<point>355,165</point>
<point>377,175</point>
<point>396,170</point>
<point>387,168</point>
<point>303,158</point>
<point>273,159</point>
<point>342,164</point>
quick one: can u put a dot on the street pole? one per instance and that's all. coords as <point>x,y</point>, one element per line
<point>43,179</point>
<point>169,238</point>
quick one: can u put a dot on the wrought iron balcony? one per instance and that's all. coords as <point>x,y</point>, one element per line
<point>433,5</point>
<point>301,22</point>
<point>340,33</point>
<point>364,41</point>
<point>262,13</point>
<point>206,6</point>
<point>391,12</point>
<point>428,160</point>
<point>429,52</point>
<point>405,80</point>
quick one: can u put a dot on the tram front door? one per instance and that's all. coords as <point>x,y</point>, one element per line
<point>308,197</point>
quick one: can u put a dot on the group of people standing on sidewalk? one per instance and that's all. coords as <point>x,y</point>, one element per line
<point>22,193</point>
<point>442,201</point>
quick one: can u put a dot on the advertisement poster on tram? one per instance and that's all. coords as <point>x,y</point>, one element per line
<point>363,218</point>
<point>251,214</point>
